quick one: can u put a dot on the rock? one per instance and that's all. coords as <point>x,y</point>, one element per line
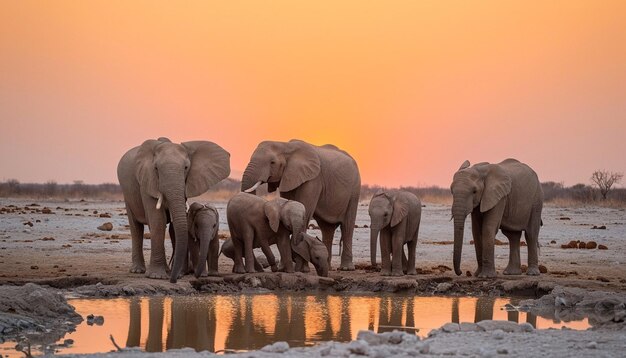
<point>451,327</point>
<point>34,267</point>
<point>365,226</point>
<point>105,215</point>
<point>582,245</point>
<point>553,242</point>
<point>444,287</point>
<point>358,347</point>
<point>97,320</point>
<point>592,345</point>
<point>107,226</point>
<point>497,334</point>
<point>468,274</point>
<point>371,338</point>
<point>278,347</point>
<point>602,247</point>
<point>543,269</point>
<point>29,223</point>
<point>601,227</point>
<point>46,211</point>
<point>469,327</point>
<point>505,326</point>
<point>602,279</point>
<point>503,351</point>
<point>564,218</point>
<point>526,327</point>
<point>591,245</point>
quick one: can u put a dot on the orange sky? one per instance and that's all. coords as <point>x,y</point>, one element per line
<point>410,88</point>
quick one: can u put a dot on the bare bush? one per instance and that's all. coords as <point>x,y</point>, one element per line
<point>605,180</point>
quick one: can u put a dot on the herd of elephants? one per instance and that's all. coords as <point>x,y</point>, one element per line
<point>320,182</point>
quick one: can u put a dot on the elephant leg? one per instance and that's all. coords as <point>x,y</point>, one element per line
<point>237,252</point>
<point>193,256</point>
<point>284,247</point>
<point>328,233</point>
<point>214,252</point>
<point>347,233</point>
<point>158,264</point>
<point>477,224</point>
<point>397,248</point>
<point>491,224</point>
<point>532,242</point>
<point>248,250</point>
<point>514,267</point>
<point>385,252</point>
<point>136,234</point>
<point>267,251</point>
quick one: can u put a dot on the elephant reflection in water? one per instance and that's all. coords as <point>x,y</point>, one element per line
<point>246,334</point>
<point>484,311</point>
<point>391,312</point>
<point>191,325</point>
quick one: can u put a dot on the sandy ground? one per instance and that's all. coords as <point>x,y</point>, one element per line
<point>66,246</point>
<point>58,243</point>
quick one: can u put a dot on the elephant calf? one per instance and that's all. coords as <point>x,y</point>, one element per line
<point>395,215</point>
<point>203,226</point>
<point>257,222</point>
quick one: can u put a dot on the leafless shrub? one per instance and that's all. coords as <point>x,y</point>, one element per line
<point>605,180</point>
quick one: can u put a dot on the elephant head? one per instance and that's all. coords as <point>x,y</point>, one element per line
<point>290,213</point>
<point>385,209</point>
<point>482,185</point>
<point>171,173</point>
<point>283,165</point>
<point>311,249</point>
<point>203,223</point>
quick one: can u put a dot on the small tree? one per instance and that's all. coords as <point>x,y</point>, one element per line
<point>605,180</point>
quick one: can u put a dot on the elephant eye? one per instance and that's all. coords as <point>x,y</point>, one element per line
<point>273,162</point>
<point>214,226</point>
<point>475,191</point>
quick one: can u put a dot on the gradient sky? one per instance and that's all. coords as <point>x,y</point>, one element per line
<point>410,88</point>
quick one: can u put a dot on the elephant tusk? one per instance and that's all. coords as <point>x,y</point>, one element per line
<point>253,187</point>
<point>159,202</point>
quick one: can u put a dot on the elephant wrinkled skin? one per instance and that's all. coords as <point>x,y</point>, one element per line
<point>257,222</point>
<point>505,196</point>
<point>396,215</point>
<point>324,179</point>
<point>156,179</point>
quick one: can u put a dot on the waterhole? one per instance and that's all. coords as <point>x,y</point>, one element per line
<point>227,322</point>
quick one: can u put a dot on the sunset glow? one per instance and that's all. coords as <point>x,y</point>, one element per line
<point>410,88</point>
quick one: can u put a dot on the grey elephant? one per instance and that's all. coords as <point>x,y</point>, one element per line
<point>156,178</point>
<point>505,196</point>
<point>395,215</point>
<point>204,222</point>
<point>256,222</point>
<point>324,179</point>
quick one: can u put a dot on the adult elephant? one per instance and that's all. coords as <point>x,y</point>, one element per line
<point>156,178</point>
<point>323,178</point>
<point>505,196</point>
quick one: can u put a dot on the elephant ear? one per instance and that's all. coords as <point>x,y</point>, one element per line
<point>400,210</point>
<point>465,165</point>
<point>302,166</point>
<point>302,247</point>
<point>146,173</point>
<point>497,186</point>
<point>272,211</point>
<point>210,164</point>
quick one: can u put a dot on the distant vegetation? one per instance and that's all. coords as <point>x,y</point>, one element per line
<point>555,193</point>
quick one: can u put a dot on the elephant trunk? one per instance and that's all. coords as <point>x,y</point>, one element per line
<point>250,178</point>
<point>205,240</point>
<point>373,241</point>
<point>174,192</point>
<point>459,227</point>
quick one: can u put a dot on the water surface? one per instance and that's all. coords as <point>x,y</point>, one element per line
<point>238,322</point>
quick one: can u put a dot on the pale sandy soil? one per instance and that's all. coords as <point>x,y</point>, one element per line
<point>67,244</point>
